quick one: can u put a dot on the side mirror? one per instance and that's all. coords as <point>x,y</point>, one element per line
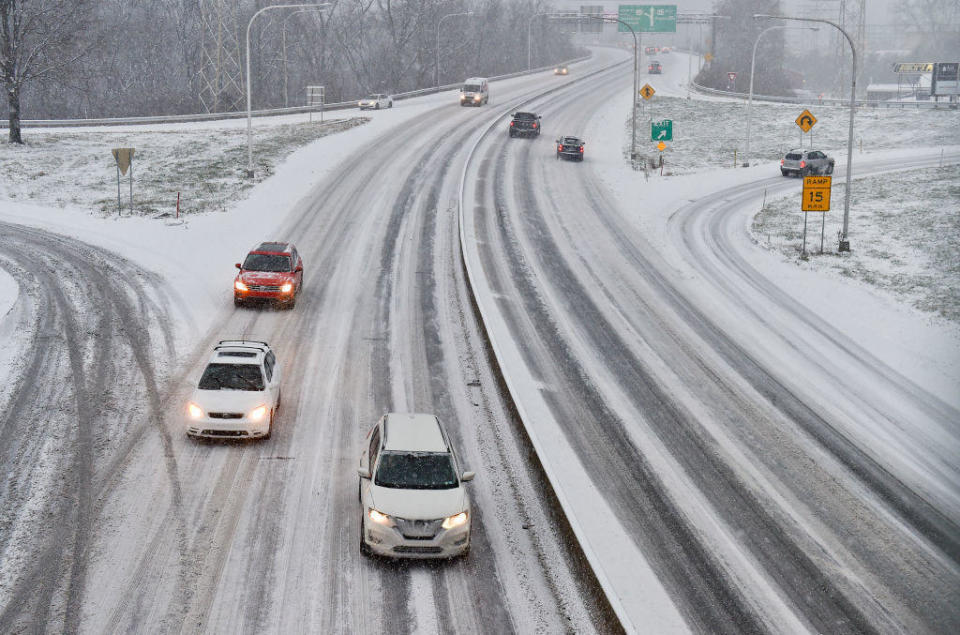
<point>237,265</point>
<point>362,473</point>
<point>299,268</point>
<point>467,476</point>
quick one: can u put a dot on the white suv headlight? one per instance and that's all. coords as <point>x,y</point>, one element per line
<point>258,413</point>
<point>456,520</point>
<point>195,411</point>
<point>380,518</point>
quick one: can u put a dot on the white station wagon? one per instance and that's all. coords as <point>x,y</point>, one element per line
<point>238,394</point>
<point>376,102</point>
<point>412,495</point>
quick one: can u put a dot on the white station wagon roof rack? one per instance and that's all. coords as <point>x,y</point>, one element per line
<point>254,344</point>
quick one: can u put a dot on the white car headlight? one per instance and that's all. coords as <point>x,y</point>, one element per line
<point>457,520</point>
<point>195,411</point>
<point>239,285</point>
<point>286,288</point>
<point>258,413</point>
<point>380,518</point>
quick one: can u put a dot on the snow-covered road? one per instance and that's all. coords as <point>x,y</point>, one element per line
<point>767,470</point>
<point>735,453</point>
<point>180,535</point>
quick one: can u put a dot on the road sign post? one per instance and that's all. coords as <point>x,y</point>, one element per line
<point>124,160</point>
<point>315,97</point>
<point>806,121</point>
<point>661,130</point>
<point>816,198</point>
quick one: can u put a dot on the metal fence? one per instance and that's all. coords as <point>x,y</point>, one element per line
<point>807,101</point>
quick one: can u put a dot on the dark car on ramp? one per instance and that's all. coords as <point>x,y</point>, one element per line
<point>525,124</point>
<point>570,148</point>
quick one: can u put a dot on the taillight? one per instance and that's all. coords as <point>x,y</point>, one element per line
<point>511,124</point>
<point>559,148</point>
<point>534,125</point>
<point>781,161</point>
<point>803,164</point>
<point>581,148</point>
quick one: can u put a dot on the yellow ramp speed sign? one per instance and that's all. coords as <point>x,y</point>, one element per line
<point>816,193</point>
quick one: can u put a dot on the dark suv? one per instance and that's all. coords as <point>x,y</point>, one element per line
<point>570,148</point>
<point>805,162</point>
<point>272,271</point>
<point>525,124</point>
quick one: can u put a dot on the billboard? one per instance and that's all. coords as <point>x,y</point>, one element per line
<point>945,79</point>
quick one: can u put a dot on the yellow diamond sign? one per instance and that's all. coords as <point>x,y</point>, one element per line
<point>647,91</point>
<point>661,146</point>
<point>806,120</point>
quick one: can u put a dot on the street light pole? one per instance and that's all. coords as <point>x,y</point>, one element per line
<point>753,65</point>
<point>439,22</point>
<point>250,79</point>
<point>636,54</point>
<point>845,236</point>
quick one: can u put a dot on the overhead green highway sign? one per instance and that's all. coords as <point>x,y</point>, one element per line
<point>648,18</point>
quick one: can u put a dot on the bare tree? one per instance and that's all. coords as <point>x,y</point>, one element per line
<point>37,39</point>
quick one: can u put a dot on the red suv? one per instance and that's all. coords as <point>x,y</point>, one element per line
<point>271,272</point>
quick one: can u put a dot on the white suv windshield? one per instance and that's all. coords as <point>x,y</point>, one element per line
<point>416,470</point>
<point>231,377</point>
<point>471,88</point>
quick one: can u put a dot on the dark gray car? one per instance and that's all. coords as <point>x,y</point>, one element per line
<point>805,162</point>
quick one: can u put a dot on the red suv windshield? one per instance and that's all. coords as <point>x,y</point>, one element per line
<point>267,262</point>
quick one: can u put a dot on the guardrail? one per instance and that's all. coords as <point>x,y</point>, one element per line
<point>860,103</point>
<point>268,112</point>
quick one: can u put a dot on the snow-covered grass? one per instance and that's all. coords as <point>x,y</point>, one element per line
<point>905,234</point>
<point>706,133</point>
<point>76,168</point>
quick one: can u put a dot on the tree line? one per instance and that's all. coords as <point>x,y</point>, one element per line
<point>113,58</point>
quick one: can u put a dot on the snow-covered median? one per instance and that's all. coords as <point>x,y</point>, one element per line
<point>907,230</point>
<point>204,166</point>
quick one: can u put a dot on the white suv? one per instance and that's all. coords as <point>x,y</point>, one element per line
<point>412,496</point>
<point>238,394</point>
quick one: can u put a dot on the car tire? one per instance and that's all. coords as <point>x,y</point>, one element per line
<point>784,173</point>
<point>390,104</point>
<point>829,169</point>
<point>364,547</point>
<point>237,302</point>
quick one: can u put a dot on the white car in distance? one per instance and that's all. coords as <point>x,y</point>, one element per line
<point>238,394</point>
<point>412,496</point>
<point>376,102</point>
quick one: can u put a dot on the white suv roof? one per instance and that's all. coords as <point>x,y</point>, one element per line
<point>413,433</point>
<point>474,80</point>
<point>239,351</point>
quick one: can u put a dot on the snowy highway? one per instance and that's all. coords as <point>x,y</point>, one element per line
<point>732,455</point>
